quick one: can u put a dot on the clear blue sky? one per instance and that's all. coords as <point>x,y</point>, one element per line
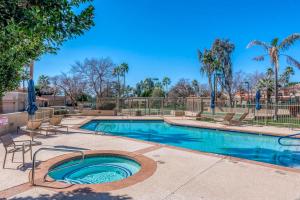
<point>160,37</point>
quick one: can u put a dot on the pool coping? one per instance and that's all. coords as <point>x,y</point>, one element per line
<point>148,167</point>
<point>228,128</point>
<point>172,122</point>
<point>231,158</point>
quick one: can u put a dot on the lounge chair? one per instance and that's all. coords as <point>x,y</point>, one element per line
<point>12,146</point>
<point>200,117</point>
<point>240,120</point>
<point>54,124</point>
<point>226,119</point>
<point>33,128</point>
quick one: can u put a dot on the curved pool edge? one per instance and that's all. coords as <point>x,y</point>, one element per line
<point>224,128</point>
<point>172,121</point>
<point>148,167</point>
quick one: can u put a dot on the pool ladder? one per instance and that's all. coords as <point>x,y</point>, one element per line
<point>288,136</point>
<point>52,149</point>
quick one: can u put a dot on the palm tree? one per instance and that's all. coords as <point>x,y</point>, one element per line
<point>196,87</point>
<point>25,76</point>
<point>284,78</point>
<point>43,84</point>
<point>166,82</point>
<point>208,65</point>
<point>118,72</point>
<point>275,50</point>
<point>222,50</point>
<point>124,68</point>
<point>267,83</point>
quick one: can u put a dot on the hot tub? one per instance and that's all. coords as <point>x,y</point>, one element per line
<point>95,170</point>
<point>99,171</point>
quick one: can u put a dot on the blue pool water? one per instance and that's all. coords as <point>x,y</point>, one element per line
<point>261,148</point>
<point>95,170</point>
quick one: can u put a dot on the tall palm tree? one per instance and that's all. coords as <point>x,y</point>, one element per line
<point>166,82</point>
<point>196,87</point>
<point>25,75</point>
<point>222,50</point>
<point>208,65</point>
<point>124,68</point>
<point>118,72</point>
<point>275,50</point>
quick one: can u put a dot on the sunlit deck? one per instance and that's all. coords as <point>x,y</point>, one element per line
<point>180,174</point>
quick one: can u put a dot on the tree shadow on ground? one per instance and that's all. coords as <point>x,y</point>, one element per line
<point>286,158</point>
<point>84,194</point>
<point>154,136</point>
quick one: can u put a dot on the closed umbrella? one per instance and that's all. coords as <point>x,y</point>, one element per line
<point>212,100</point>
<point>257,100</point>
<point>31,108</point>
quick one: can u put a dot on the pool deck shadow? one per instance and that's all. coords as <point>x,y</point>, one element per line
<point>84,194</point>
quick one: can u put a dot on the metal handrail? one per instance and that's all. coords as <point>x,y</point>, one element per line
<point>50,149</point>
<point>288,136</point>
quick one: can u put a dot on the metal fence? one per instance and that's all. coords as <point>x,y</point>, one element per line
<point>288,113</point>
<point>140,105</point>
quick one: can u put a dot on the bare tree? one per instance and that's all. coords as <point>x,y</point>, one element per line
<point>204,90</point>
<point>97,74</point>
<point>72,85</point>
<point>182,88</point>
<point>238,82</point>
<point>240,79</point>
<point>254,78</point>
<point>55,87</point>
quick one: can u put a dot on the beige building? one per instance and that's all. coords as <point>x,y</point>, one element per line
<point>13,102</point>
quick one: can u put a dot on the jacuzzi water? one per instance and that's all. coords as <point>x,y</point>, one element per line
<point>258,147</point>
<point>95,170</point>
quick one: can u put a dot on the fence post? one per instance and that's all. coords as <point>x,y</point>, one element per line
<point>201,106</point>
<point>267,111</point>
<point>193,105</point>
<point>162,105</point>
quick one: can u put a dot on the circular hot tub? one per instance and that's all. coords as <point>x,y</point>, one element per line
<point>95,169</point>
<point>99,171</point>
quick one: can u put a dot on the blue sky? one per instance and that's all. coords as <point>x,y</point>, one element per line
<point>159,38</point>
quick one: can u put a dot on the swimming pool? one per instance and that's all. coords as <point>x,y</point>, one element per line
<point>262,148</point>
<point>95,170</point>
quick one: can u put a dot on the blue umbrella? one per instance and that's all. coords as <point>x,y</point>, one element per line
<point>212,100</point>
<point>257,99</point>
<point>31,108</point>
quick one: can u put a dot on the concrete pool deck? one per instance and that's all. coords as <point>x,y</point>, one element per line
<point>180,174</point>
